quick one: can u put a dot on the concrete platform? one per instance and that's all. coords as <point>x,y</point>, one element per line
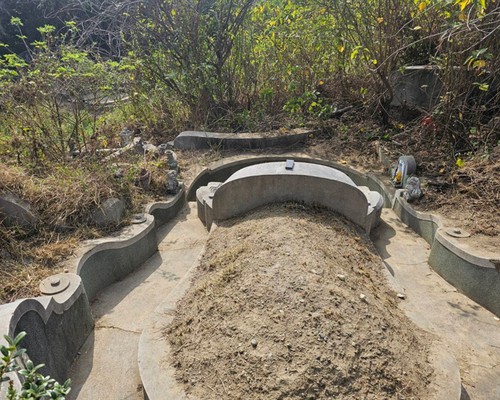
<point>107,366</point>
<point>192,140</point>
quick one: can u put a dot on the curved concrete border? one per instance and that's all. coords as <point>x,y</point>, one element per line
<point>222,170</point>
<point>58,325</point>
<point>165,211</point>
<point>476,276</point>
<point>111,259</point>
<point>482,287</point>
<point>309,183</point>
<point>193,140</point>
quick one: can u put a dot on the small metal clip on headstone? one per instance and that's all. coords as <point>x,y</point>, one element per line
<point>289,164</point>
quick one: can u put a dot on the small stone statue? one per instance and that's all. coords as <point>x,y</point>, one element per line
<point>172,160</point>
<point>413,190</point>
<point>126,136</point>
<point>172,182</point>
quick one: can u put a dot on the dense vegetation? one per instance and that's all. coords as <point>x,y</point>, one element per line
<point>234,65</point>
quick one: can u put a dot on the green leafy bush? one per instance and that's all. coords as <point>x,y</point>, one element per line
<point>35,385</point>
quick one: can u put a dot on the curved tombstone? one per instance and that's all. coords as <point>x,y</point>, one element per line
<point>311,184</point>
<point>193,140</point>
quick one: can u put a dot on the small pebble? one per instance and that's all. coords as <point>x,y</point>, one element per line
<point>401,296</point>
<point>341,277</point>
<point>497,319</point>
<point>254,343</point>
<point>363,297</point>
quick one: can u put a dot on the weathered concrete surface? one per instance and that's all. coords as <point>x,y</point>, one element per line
<point>165,211</point>
<point>111,259</point>
<point>16,211</point>
<point>222,170</point>
<point>312,184</point>
<point>477,277</point>
<point>107,367</point>
<point>471,332</point>
<point>57,326</point>
<point>190,140</point>
<point>416,86</point>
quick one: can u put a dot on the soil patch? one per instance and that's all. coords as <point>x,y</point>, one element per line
<point>292,303</point>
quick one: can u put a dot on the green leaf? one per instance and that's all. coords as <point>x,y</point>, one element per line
<point>16,21</point>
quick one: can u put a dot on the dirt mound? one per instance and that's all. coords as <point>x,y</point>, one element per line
<point>291,303</point>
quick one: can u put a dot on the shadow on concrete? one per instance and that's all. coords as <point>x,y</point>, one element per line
<point>464,395</point>
<point>463,312</point>
<point>86,357</point>
<point>107,299</point>
<point>381,237</point>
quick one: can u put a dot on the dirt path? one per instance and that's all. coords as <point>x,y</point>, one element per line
<point>107,367</point>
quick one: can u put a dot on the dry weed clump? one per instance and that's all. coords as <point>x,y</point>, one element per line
<point>61,199</point>
<point>66,194</point>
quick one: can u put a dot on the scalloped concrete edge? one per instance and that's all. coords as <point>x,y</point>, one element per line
<point>475,276</point>
<point>154,353</point>
<point>58,325</point>
<point>199,140</point>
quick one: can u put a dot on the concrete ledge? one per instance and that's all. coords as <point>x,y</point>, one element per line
<point>193,140</point>
<point>165,211</point>
<point>57,326</point>
<point>154,349</point>
<point>111,259</point>
<point>424,224</point>
<point>475,276</point>
<point>222,170</point>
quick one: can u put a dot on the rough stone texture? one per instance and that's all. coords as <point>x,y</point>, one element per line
<point>16,211</point>
<point>109,213</point>
<point>309,183</point>
<point>417,86</point>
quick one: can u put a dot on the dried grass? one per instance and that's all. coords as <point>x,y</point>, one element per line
<point>64,196</point>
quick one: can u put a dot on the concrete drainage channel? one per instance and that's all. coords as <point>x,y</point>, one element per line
<point>59,323</point>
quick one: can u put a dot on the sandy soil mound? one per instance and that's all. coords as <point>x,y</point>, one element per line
<point>292,303</point>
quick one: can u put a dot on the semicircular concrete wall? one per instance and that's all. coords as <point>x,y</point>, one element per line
<point>308,183</point>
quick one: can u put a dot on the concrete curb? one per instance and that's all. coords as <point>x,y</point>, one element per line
<point>222,170</point>
<point>196,140</point>
<point>474,275</point>
<point>165,211</point>
<point>58,325</point>
<point>154,349</point>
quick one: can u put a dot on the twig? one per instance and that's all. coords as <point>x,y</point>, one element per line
<point>221,381</point>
